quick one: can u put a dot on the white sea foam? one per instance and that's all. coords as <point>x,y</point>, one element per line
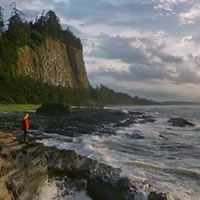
<point>50,191</point>
<point>96,147</point>
<point>145,159</point>
<point>125,111</point>
<point>79,196</point>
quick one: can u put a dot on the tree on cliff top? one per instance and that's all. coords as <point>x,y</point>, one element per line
<point>1,21</point>
<point>53,24</point>
<point>69,38</point>
<point>48,24</point>
<point>18,29</point>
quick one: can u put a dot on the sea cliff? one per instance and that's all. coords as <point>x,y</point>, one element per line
<point>53,63</point>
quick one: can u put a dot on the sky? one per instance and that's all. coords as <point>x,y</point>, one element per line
<point>148,48</point>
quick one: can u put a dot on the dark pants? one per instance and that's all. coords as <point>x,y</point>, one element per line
<point>25,133</point>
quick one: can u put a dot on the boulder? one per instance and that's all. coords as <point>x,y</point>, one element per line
<point>54,109</point>
<point>159,196</point>
<point>180,122</point>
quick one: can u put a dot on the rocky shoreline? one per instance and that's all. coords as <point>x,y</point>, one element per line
<point>24,168</point>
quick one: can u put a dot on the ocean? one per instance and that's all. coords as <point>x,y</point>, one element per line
<point>156,153</point>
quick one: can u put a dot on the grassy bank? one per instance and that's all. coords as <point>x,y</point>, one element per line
<point>17,107</point>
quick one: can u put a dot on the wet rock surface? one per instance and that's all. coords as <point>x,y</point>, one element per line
<point>24,167</point>
<point>79,122</point>
<point>180,122</point>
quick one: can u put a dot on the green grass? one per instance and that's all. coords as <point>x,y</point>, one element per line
<point>17,107</point>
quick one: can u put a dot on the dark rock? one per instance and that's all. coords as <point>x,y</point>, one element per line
<point>34,126</point>
<point>79,185</point>
<point>163,137</point>
<point>54,109</point>
<point>180,122</point>
<point>150,119</point>
<point>103,181</point>
<point>135,136</point>
<point>126,123</point>
<point>159,196</point>
<point>29,172</point>
<point>147,120</point>
<point>136,113</point>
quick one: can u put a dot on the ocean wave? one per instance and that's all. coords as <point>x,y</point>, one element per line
<point>55,189</point>
<point>154,152</point>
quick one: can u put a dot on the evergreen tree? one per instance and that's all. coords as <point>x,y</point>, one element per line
<point>70,39</point>
<point>53,24</point>
<point>1,21</point>
<point>39,24</point>
<point>18,29</point>
<point>48,24</point>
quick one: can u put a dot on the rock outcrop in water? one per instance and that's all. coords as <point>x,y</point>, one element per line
<point>25,167</point>
<point>180,122</point>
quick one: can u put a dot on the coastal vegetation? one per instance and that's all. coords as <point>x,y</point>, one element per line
<point>20,34</point>
<point>18,107</point>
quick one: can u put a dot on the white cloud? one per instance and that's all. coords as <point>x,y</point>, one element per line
<point>178,79</point>
<point>190,16</point>
<point>168,4</point>
<point>24,4</point>
<point>97,64</point>
<point>190,9</point>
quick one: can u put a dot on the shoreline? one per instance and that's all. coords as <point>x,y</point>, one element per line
<point>33,107</point>
<point>24,168</point>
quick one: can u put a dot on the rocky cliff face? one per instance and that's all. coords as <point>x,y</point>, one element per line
<point>53,63</point>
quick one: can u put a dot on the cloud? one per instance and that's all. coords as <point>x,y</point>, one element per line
<point>29,7</point>
<point>153,65</point>
<point>120,48</point>
<point>168,4</point>
<point>188,12</point>
<point>191,16</point>
<point>135,73</point>
<point>83,10</point>
<point>124,14</point>
<point>147,59</point>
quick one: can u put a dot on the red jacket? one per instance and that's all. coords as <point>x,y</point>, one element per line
<point>26,124</point>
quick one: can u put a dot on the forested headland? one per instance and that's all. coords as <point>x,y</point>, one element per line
<point>16,33</point>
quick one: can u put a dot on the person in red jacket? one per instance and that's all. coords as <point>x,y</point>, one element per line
<point>26,125</point>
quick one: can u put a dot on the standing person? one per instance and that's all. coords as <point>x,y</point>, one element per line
<point>26,125</point>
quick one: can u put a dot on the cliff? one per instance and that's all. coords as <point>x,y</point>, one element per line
<point>53,63</point>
